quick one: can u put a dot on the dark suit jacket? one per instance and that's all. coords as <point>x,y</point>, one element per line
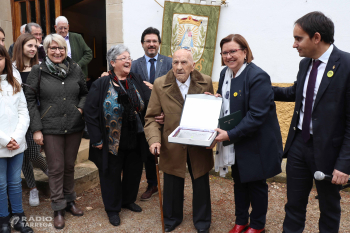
<point>81,53</point>
<point>139,66</point>
<point>330,115</point>
<point>257,138</point>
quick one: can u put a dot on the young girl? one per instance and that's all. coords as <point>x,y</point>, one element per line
<point>14,122</point>
<point>24,57</point>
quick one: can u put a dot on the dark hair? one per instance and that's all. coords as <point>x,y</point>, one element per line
<point>317,22</point>
<point>242,43</point>
<point>1,30</point>
<point>28,27</point>
<point>148,31</point>
<point>8,70</point>
<point>18,51</point>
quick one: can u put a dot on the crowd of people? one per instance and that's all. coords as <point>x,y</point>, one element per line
<point>130,111</point>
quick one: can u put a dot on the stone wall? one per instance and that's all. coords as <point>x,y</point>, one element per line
<point>284,111</point>
<point>6,22</point>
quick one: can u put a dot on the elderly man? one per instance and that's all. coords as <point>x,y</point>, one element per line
<point>151,66</point>
<point>168,95</point>
<point>77,48</point>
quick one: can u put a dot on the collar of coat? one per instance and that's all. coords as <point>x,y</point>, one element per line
<point>173,91</point>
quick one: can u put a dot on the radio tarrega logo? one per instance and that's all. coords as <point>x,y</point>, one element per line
<point>33,221</point>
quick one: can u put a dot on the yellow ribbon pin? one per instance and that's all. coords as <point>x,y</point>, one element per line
<point>330,73</point>
<point>235,94</point>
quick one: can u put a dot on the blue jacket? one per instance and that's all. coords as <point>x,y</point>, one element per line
<point>257,138</point>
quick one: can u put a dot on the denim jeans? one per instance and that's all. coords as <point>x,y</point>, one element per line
<point>10,182</point>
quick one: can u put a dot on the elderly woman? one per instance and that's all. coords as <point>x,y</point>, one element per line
<point>114,114</point>
<point>57,123</point>
<point>256,152</point>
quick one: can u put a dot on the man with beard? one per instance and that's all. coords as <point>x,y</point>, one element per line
<point>151,66</point>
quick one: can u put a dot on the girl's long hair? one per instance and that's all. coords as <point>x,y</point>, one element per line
<point>8,70</point>
<point>18,51</point>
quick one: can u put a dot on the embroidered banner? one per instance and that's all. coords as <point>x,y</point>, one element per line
<point>193,27</point>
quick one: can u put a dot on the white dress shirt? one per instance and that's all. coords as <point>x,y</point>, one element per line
<point>69,51</point>
<point>184,86</point>
<point>320,71</point>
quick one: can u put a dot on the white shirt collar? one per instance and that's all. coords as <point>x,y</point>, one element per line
<point>3,77</point>
<point>187,83</point>
<point>148,58</point>
<point>325,57</point>
<point>241,70</point>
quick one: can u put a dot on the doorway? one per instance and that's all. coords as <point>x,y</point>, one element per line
<point>88,18</point>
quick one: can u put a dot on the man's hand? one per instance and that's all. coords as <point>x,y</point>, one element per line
<point>339,177</point>
<point>12,145</point>
<point>153,146</point>
<point>216,95</point>
<point>104,74</point>
<point>99,146</point>
<point>222,136</point>
<point>38,138</point>
<point>160,118</point>
<point>149,85</point>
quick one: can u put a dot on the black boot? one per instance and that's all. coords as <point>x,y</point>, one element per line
<point>20,224</point>
<point>5,226</point>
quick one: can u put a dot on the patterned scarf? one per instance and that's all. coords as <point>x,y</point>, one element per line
<point>61,69</point>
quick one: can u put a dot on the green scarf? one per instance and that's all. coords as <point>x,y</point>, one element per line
<point>61,70</point>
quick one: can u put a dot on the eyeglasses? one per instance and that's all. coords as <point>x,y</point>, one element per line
<point>151,41</point>
<point>124,59</point>
<point>62,28</point>
<point>61,49</point>
<point>231,52</point>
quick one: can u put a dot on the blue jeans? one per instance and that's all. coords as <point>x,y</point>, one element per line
<point>10,183</point>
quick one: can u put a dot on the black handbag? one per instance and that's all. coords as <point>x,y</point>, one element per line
<point>37,91</point>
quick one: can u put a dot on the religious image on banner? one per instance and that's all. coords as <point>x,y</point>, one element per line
<point>192,27</point>
<point>189,32</point>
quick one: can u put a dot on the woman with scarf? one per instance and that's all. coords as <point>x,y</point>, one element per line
<point>114,114</point>
<point>256,152</point>
<point>58,86</point>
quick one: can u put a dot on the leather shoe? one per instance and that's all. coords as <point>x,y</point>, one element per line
<point>73,209</point>
<point>239,228</point>
<point>151,190</point>
<point>5,226</point>
<point>251,230</point>
<point>169,228</point>
<point>58,220</point>
<point>20,225</point>
<point>114,219</point>
<point>203,230</point>
<point>133,207</point>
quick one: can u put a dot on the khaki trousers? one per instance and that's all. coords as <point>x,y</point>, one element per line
<point>61,152</point>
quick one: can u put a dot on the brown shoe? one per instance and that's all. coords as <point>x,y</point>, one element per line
<point>58,221</point>
<point>73,209</point>
<point>151,190</point>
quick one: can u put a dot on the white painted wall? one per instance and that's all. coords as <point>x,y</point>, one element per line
<point>266,24</point>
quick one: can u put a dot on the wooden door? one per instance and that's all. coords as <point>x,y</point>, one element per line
<point>42,12</point>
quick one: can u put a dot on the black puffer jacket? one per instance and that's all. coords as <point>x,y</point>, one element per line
<point>59,100</point>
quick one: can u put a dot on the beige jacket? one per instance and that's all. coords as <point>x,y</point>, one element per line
<point>166,97</point>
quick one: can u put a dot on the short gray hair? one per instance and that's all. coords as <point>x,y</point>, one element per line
<point>114,52</point>
<point>61,19</point>
<point>28,27</point>
<point>58,39</point>
<point>22,28</point>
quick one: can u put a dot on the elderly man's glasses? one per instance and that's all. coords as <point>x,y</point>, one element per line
<point>124,59</point>
<point>61,49</point>
<point>231,52</point>
<point>62,28</point>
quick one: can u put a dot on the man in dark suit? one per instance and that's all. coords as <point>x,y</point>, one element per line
<point>319,135</point>
<point>151,66</point>
<point>77,48</point>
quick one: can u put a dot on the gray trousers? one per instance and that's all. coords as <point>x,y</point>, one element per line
<point>61,152</point>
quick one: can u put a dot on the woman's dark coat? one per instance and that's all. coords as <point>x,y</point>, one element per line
<point>60,99</point>
<point>257,138</point>
<point>95,119</point>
